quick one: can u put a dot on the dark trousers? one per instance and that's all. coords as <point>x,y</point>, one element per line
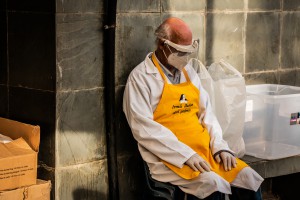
<point>237,194</point>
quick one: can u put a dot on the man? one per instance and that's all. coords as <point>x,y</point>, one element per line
<point>181,141</point>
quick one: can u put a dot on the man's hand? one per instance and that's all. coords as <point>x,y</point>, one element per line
<point>197,163</point>
<point>227,159</point>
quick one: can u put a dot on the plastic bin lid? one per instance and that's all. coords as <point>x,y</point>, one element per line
<point>271,150</point>
<point>272,90</point>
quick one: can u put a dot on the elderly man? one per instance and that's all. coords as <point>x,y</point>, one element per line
<point>171,118</point>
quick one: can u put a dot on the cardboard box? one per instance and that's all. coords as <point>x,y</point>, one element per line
<point>18,159</point>
<point>34,192</point>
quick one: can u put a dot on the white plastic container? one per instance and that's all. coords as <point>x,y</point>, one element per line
<point>272,124</point>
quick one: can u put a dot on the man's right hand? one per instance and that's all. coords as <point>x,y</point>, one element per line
<point>197,163</point>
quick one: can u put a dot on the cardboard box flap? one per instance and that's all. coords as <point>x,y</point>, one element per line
<point>17,147</point>
<point>15,130</point>
<point>39,191</point>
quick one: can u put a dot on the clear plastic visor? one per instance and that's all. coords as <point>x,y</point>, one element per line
<point>184,51</point>
<point>183,48</point>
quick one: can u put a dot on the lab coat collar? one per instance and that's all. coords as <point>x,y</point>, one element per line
<point>150,67</point>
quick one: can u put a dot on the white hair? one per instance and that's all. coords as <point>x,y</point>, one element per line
<point>163,32</point>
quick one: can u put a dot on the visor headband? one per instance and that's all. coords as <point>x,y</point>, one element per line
<point>183,48</point>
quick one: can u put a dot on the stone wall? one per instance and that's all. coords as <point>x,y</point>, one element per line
<point>80,162</point>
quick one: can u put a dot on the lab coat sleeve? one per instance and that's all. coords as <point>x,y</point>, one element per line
<point>211,123</point>
<point>156,138</point>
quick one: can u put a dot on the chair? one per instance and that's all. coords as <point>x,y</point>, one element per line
<point>155,190</point>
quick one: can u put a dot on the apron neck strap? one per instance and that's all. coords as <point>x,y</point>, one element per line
<point>186,75</point>
<point>154,59</point>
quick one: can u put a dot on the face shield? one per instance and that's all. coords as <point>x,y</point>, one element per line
<point>181,54</point>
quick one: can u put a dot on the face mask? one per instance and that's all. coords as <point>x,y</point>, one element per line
<point>179,62</point>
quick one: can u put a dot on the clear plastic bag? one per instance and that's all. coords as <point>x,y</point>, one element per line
<point>227,91</point>
<point>206,80</point>
<point>230,103</point>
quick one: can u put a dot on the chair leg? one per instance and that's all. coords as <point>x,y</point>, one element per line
<point>155,190</point>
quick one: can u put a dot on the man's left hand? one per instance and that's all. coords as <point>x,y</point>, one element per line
<point>228,160</point>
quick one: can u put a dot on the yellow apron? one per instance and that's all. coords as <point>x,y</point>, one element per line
<point>177,110</point>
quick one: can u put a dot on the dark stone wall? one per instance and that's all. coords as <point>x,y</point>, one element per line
<point>3,61</point>
<point>51,74</point>
<point>81,167</point>
<point>27,71</point>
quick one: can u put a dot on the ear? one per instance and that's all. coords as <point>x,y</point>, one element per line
<point>160,44</point>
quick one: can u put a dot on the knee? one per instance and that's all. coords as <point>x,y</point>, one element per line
<point>211,179</point>
<point>250,178</point>
<point>205,184</point>
<point>249,174</point>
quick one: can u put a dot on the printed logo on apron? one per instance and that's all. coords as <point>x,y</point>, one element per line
<point>183,106</point>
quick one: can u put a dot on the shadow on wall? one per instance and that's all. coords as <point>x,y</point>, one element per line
<point>84,194</point>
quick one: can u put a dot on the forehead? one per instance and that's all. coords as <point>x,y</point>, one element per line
<point>181,34</point>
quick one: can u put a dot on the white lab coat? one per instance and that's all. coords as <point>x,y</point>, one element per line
<point>141,97</point>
